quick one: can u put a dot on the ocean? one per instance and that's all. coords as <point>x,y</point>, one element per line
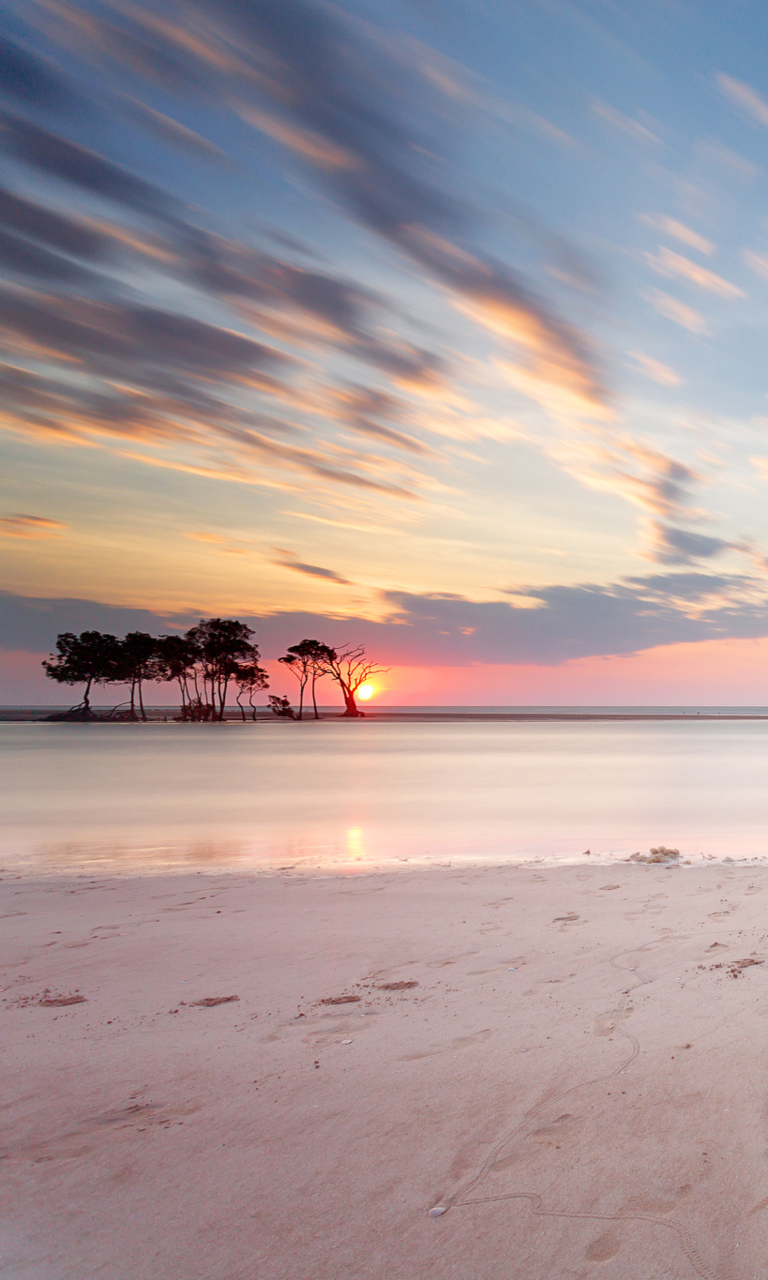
<point>335,795</point>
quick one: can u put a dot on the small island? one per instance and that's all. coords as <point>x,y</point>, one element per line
<point>205,663</point>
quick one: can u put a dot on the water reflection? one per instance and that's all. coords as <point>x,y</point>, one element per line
<point>333,796</point>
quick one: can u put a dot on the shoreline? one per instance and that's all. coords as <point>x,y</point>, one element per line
<point>155,715</point>
<point>283,1074</point>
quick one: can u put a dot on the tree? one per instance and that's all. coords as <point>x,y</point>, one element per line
<point>90,658</point>
<point>305,661</point>
<point>350,668</point>
<point>175,657</point>
<point>250,679</point>
<point>203,662</point>
<point>281,707</point>
<point>223,649</point>
<point>138,661</point>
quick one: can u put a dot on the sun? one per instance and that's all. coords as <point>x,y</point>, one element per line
<point>365,692</point>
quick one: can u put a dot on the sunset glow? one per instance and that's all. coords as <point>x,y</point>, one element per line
<point>481,389</point>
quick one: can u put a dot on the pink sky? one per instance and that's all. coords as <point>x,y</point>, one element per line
<point>716,673</point>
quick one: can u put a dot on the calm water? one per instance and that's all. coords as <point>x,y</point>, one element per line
<point>334,795</point>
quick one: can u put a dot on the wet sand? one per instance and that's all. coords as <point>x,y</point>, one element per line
<point>570,1062</point>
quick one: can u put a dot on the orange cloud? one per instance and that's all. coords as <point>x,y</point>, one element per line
<point>23,526</point>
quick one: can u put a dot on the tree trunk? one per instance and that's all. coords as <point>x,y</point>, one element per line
<point>86,698</point>
<point>302,683</point>
<point>141,703</point>
<point>314,699</point>
<point>349,703</point>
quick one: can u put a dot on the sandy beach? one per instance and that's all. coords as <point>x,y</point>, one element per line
<point>279,1077</point>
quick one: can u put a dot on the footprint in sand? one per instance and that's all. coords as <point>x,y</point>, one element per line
<point>605,1023</point>
<point>461,1042</point>
<point>604,1247</point>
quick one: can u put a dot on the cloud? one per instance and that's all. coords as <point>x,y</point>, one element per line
<point>172,133</point>
<point>30,261</point>
<point>148,47</point>
<point>743,96</point>
<point>692,238</point>
<point>287,560</point>
<point>306,307</point>
<point>677,311</point>
<point>341,101</point>
<point>645,476</point>
<point>632,128</point>
<point>655,370</point>
<point>757,262</point>
<point>360,407</point>
<point>52,154</point>
<point>36,221</point>
<point>570,622</point>
<point>24,526</point>
<point>130,337</point>
<point>668,263</point>
<point>681,546</point>
<point>368,113</point>
<point>33,82</point>
<point>215,540</point>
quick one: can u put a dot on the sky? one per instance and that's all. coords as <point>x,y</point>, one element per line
<point>439,327</point>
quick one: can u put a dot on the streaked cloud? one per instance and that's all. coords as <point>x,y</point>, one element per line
<point>173,133</point>
<point>33,81</point>
<point>56,156</point>
<point>25,526</point>
<point>743,96</point>
<point>287,560</point>
<point>677,311</point>
<point>625,124</point>
<point>656,370</point>
<point>671,227</point>
<point>757,262</point>
<point>668,263</point>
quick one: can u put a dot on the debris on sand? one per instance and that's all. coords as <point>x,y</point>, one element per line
<point>341,1000</point>
<point>661,854</point>
<point>210,1001</point>
<point>49,1001</point>
<point>398,986</point>
<point>737,967</point>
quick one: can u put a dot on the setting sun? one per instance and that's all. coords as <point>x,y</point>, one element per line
<point>365,692</point>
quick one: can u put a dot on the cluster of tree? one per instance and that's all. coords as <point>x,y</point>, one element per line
<point>205,663</point>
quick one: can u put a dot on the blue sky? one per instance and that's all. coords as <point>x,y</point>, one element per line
<point>310,310</point>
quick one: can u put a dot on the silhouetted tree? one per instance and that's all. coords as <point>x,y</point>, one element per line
<point>223,648</point>
<point>138,661</point>
<point>281,707</point>
<point>90,658</point>
<point>305,661</point>
<point>175,656</point>
<point>350,668</point>
<point>251,680</point>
